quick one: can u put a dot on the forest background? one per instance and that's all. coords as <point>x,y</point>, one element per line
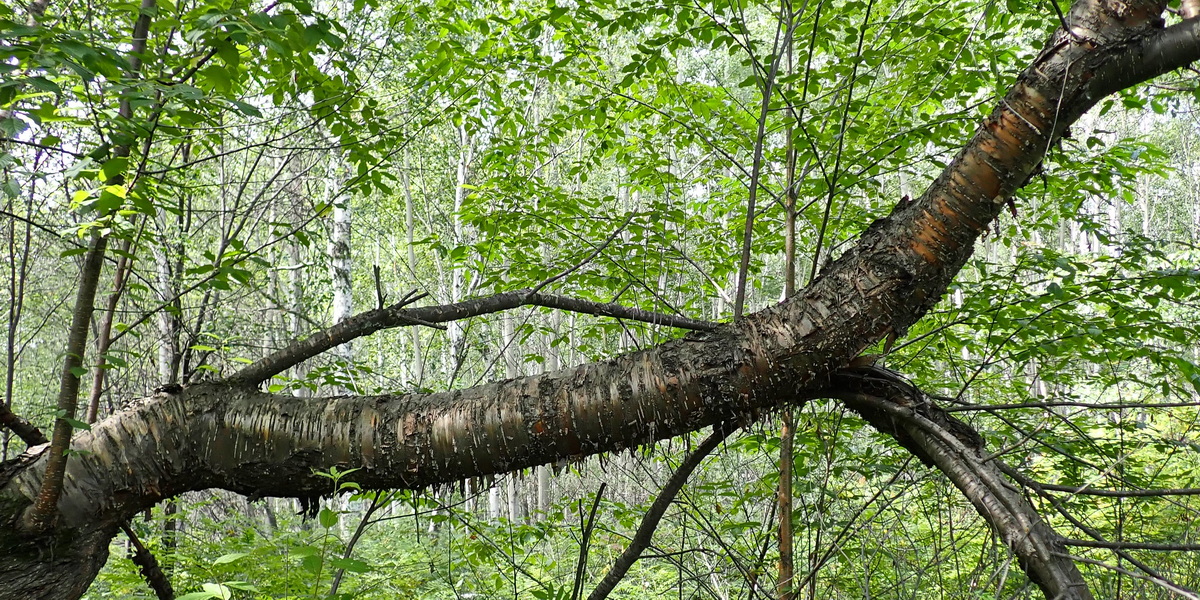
<point>261,172</point>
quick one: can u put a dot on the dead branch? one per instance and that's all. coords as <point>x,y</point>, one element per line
<point>399,315</point>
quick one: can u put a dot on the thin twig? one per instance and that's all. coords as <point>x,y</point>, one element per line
<point>537,288</point>
<point>584,544</point>
<point>645,531</point>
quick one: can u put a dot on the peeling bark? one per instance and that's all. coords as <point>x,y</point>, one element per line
<point>955,448</point>
<point>230,436</point>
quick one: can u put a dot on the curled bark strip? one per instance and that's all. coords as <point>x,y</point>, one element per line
<point>899,409</point>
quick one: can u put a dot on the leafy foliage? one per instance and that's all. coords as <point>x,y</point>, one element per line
<point>603,150</point>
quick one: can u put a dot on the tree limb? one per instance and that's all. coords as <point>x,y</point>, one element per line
<point>1090,491</point>
<point>1125,545</point>
<point>1159,581</point>
<point>645,531</point>
<point>901,410</point>
<point>25,430</point>
<point>41,515</point>
<point>398,315</point>
<point>148,566</point>
<point>227,435</point>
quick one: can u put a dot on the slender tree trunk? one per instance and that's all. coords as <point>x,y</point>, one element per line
<point>296,308</point>
<point>340,264</point>
<point>18,269</point>
<point>414,333</point>
<point>787,434</point>
<point>512,370</point>
<point>104,333</point>
<point>41,516</point>
<point>456,334</point>
<point>168,320</point>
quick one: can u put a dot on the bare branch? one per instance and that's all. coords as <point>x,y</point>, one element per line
<point>587,259</point>
<point>1063,404</point>
<point>25,430</point>
<point>645,531</point>
<point>1077,522</point>
<point>1087,491</point>
<point>1162,547</point>
<point>1159,581</point>
<point>398,315</point>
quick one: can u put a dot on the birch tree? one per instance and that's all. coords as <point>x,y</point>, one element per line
<point>228,434</point>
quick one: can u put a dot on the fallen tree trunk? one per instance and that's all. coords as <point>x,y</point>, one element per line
<point>228,435</point>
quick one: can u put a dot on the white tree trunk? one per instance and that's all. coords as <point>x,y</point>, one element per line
<point>455,331</point>
<point>167,322</point>
<point>340,265</point>
<point>417,374</point>
<point>296,306</point>
<point>512,369</point>
<point>544,480</point>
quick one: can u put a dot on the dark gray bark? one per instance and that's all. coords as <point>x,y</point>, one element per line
<point>938,439</point>
<point>401,315</point>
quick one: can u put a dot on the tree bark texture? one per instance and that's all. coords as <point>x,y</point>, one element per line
<point>230,436</point>
<point>939,440</point>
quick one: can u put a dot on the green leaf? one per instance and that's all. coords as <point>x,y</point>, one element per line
<point>218,78</point>
<point>218,591</point>
<point>10,126</point>
<point>327,518</point>
<point>312,563</point>
<point>230,558</point>
<point>77,424</point>
<point>350,564</point>
<point>228,52</point>
<point>113,167</point>
<point>196,596</point>
<point>43,84</point>
<point>79,371</point>
<point>246,109</point>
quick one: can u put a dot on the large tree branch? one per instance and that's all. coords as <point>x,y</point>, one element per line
<point>956,449</point>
